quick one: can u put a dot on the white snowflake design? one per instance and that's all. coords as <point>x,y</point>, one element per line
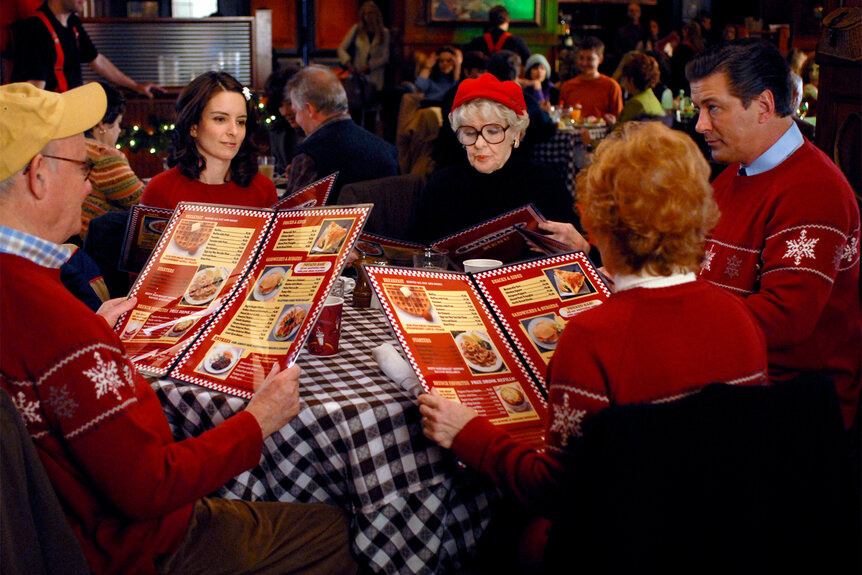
<point>568,421</point>
<point>851,249</point>
<point>707,259</point>
<point>61,402</point>
<point>106,377</point>
<point>732,268</point>
<point>803,247</point>
<point>27,409</point>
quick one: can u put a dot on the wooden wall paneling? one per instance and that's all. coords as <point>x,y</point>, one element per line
<point>284,22</point>
<point>332,21</point>
<point>138,112</point>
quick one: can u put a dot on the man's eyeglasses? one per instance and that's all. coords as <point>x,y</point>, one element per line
<point>86,165</point>
<point>491,133</point>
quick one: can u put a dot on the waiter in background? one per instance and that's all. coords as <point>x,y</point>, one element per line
<point>50,46</point>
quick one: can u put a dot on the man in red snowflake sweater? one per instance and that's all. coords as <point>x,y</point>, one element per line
<point>788,238</point>
<point>134,498</point>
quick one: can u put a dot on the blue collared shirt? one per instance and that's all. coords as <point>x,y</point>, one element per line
<point>791,141</point>
<point>37,250</point>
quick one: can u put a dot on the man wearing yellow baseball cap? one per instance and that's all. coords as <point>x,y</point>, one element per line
<point>131,494</point>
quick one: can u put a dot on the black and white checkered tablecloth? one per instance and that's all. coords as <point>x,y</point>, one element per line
<point>561,151</point>
<point>356,443</point>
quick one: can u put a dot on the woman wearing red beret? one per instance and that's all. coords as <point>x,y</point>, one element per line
<point>489,118</point>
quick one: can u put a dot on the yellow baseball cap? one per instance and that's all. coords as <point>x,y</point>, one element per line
<point>30,118</point>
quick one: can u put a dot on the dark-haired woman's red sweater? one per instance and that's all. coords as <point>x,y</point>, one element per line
<point>169,188</point>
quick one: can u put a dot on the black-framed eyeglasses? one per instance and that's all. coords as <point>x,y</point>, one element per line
<point>86,165</point>
<point>491,133</point>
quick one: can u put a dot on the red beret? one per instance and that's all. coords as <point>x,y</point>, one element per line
<point>488,86</point>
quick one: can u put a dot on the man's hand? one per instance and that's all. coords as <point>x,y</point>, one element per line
<point>148,89</point>
<point>443,419</point>
<point>276,400</point>
<point>112,309</point>
<point>565,233</point>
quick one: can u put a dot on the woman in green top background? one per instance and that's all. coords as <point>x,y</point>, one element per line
<point>639,75</point>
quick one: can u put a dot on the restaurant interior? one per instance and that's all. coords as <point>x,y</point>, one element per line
<point>156,41</point>
<point>357,442</point>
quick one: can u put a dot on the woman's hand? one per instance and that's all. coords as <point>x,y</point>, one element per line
<point>443,419</point>
<point>565,233</point>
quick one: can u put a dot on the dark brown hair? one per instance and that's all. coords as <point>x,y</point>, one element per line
<point>190,106</point>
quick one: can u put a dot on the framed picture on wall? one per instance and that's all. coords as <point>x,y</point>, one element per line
<point>476,11</point>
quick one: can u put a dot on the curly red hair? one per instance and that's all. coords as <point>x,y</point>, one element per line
<point>647,199</point>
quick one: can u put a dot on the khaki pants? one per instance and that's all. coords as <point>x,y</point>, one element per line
<point>241,537</point>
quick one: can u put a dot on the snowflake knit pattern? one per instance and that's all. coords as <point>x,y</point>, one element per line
<point>99,428</point>
<point>788,242</point>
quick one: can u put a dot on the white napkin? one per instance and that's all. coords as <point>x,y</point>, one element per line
<point>396,368</point>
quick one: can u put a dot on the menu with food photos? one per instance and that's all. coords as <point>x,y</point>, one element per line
<point>146,224</point>
<point>509,237</point>
<point>486,339</point>
<point>230,291</point>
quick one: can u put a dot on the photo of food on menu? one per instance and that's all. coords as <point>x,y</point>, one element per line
<point>486,339</point>
<point>230,291</point>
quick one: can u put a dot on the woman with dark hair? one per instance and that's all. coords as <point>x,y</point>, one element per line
<point>639,75</point>
<point>115,186</point>
<point>441,71</point>
<point>212,158</point>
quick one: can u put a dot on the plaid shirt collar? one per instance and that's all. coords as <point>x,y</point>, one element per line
<point>39,251</point>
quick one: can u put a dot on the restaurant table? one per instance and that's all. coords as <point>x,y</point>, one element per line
<point>562,150</point>
<point>357,443</point>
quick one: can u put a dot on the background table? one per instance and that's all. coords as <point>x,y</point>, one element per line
<point>561,151</point>
<point>357,443</point>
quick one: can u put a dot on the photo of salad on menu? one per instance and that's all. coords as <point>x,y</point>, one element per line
<point>229,291</point>
<point>486,339</point>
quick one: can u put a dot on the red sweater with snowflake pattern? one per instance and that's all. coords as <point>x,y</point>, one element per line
<point>788,243</point>
<point>127,488</point>
<point>641,346</point>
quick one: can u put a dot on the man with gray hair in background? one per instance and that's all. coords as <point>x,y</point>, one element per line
<point>334,142</point>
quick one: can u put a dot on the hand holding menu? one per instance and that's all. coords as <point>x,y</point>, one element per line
<point>486,339</point>
<point>230,291</point>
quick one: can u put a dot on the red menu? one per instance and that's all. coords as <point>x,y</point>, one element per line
<point>312,195</point>
<point>230,291</point>
<point>143,231</point>
<point>509,237</point>
<point>146,224</point>
<point>395,252</point>
<point>485,339</point>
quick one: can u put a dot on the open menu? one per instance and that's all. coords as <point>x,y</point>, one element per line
<point>486,339</point>
<point>229,291</point>
<point>509,237</point>
<point>146,224</point>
